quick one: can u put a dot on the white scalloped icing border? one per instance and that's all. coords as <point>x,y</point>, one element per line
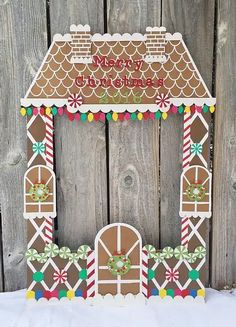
<point>118,37</point>
<point>117,107</point>
<point>60,37</point>
<point>172,37</point>
<point>80,28</point>
<point>33,215</point>
<point>195,214</point>
<point>156,29</point>
<point>120,300</point>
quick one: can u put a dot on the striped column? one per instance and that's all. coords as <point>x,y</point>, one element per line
<point>91,274</point>
<point>186,162</point>
<point>145,273</point>
<point>48,231</point>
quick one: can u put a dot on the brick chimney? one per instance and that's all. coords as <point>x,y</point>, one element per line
<point>81,44</point>
<point>155,44</point>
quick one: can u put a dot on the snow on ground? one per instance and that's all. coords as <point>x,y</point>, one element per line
<point>219,310</point>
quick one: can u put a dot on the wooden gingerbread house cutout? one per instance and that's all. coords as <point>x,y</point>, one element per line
<point>117,77</point>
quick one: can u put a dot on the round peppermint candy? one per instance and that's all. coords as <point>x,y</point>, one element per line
<point>64,252</point>
<point>51,250</point>
<point>151,251</point>
<point>42,257</point>
<point>83,251</point>
<point>200,252</point>
<point>168,252</point>
<point>181,252</point>
<point>31,254</point>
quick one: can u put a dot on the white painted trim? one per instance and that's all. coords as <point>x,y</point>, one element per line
<point>196,69</point>
<point>62,38</point>
<point>80,28</point>
<point>156,29</point>
<point>152,107</point>
<point>39,70</point>
<point>118,37</point>
<point>173,37</point>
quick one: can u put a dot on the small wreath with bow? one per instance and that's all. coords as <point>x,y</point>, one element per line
<point>39,192</point>
<point>119,264</point>
<point>196,192</point>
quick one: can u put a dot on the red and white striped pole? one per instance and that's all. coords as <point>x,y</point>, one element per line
<point>91,274</point>
<point>186,162</point>
<point>145,273</point>
<point>48,230</point>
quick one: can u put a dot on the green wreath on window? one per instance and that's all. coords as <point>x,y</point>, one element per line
<point>39,192</point>
<point>119,264</point>
<point>195,192</point>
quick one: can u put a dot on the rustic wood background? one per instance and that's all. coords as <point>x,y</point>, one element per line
<point>113,172</point>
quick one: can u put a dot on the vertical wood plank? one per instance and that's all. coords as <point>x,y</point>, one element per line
<point>22,47</point>
<point>224,185</point>
<point>195,20</point>
<point>134,146</point>
<point>80,147</point>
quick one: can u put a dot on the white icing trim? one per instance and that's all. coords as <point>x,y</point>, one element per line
<point>196,70</point>
<point>59,37</point>
<point>118,37</point>
<point>80,28</point>
<point>34,215</point>
<point>81,60</point>
<point>155,29</point>
<point>37,102</point>
<point>195,214</point>
<point>122,300</point>
<point>175,36</point>
<point>158,58</point>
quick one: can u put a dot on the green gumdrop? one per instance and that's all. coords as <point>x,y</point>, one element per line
<point>170,292</point>
<point>193,274</point>
<point>38,276</point>
<point>151,274</point>
<point>181,109</point>
<point>205,108</point>
<point>158,115</point>
<point>62,293</point>
<point>83,117</point>
<point>133,116</point>
<point>83,274</point>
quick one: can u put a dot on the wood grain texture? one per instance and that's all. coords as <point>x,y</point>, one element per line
<point>22,46</point>
<point>224,184</point>
<point>134,146</point>
<point>195,21</point>
<point>80,147</point>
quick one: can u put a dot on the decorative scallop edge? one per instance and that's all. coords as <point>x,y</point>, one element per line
<point>80,28</point>
<point>33,215</point>
<point>195,214</point>
<point>95,107</point>
<point>121,300</point>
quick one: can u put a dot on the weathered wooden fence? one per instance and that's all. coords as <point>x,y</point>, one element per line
<point>121,171</point>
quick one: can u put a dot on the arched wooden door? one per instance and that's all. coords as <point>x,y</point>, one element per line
<point>118,261</point>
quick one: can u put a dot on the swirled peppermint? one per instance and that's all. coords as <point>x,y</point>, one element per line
<point>83,251</point>
<point>64,252</point>
<point>181,252</point>
<point>42,257</point>
<point>200,251</point>
<point>168,252</point>
<point>51,250</point>
<point>31,254</point>
<point>151,251</point>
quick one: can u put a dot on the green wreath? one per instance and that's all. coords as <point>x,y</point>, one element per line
<point>195,192</point>
<point>39,192</point>
<point>119,264</point>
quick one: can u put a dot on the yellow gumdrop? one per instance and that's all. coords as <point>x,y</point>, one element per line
<point>48,111</point>
<point>187,109</point>
<point>115,116</point>
<point>30,295</point>
<point>23,111</point>
<point>90,117</point>
<point>162,293</point>
<point>140,116</point>
<point>212,109</point>
<point>201,292</point>
<point>70,294</point>
<point>164,115</point>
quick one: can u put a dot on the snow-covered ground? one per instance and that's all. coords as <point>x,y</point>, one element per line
<point>219,310</point>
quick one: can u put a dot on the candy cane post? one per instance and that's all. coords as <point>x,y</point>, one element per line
<point>91,274</point>
<point>145,273</point>
<point>49,162</point>
<point>186,162</point>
